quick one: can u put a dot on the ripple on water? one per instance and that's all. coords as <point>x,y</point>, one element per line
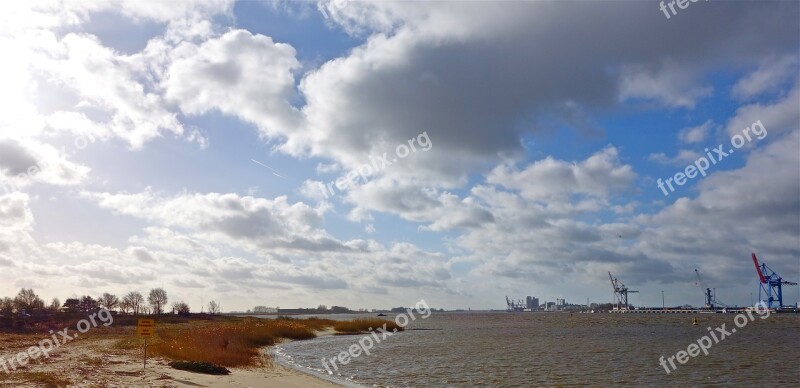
<point>548,349</point>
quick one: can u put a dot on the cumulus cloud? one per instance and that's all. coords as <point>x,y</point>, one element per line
<point>598,175</point>
<point>15,214</point>
<point>670,85</point>
<point>27,161</point>
<point>696,134</point>
<point>238,73</point>
<point>483,81</point>
<point>769,76</point>
<point>71,82</point>
<point>259,220</point>
<point>755,218</point>
<point>780,115</point>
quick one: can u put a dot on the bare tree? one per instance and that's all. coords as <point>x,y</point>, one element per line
<point>55,305</point>
<point>157,299</point>
<point>133,300</point>
<point>124,306</point>
<point>28,300</point>
<point>7,306</point>
<point>108,301</point>
<point>213,308</point>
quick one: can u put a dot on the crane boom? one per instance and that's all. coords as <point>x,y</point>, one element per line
<point>699,280</point>
<point>707,296</point>
<point>758,269</point>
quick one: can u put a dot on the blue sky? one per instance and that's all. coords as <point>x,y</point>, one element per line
<point>549,124</point>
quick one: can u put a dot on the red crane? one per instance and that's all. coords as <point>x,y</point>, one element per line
<point>770,284</point>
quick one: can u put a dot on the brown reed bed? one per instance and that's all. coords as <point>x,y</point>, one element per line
<point>365,325</point>
<point>238,342</point>
<point>229,343</point>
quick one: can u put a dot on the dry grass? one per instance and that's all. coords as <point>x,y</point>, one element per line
<point>128,342</point>
<point>312,323</point>
<point>48,379</point>
<point>92,361</point>
<point>238,342</point>
<point>365,325</point>
<point>233,343</point>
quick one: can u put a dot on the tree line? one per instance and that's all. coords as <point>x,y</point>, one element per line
<point>27,302</point>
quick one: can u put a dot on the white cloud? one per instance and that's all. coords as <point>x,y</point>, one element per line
<point>696,134</point>
<point>15,214</point>
<point>770,75</point>
<point>238,73</point>
<point>26,161</point>
<point>551,179</point>
<point>51,14</point>
<point>457,73</point>
<point>682,158</point>
<point>264,222</point>
<point>670,85</point>
<point>70,82</point>
<point>777,116</point>
<point>754,208</point>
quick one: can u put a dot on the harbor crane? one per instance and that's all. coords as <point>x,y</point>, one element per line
<point>710,297</point>
<point>770,284</point>
<point>620,293</point>
<point>515,305</point>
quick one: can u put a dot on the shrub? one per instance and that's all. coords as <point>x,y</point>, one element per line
<point>200,367</point>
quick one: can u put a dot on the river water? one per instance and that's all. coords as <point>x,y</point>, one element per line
<point>562,349</point>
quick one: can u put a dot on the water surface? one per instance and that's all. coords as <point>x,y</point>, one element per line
<point>562,349</point>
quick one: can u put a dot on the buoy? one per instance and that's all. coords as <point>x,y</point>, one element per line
<point>694,321</point>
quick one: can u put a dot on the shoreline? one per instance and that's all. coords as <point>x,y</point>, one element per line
<point>115,356</point>
<point>281,360</point>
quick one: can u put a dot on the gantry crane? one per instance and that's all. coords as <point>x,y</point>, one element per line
<point>711,300</point>
<point>514,305</point>
<point>770,284</point>
<point>620,293</point>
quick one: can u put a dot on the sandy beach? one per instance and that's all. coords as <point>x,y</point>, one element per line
<point>96,362</point>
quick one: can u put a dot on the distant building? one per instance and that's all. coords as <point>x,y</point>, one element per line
<point>532,303</point>
<point>561,302</point>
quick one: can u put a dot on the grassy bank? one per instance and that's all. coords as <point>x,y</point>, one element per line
<point>237,342</point>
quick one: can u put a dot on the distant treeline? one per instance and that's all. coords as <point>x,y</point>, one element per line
<point>321,309</point>
<point>27,304</point>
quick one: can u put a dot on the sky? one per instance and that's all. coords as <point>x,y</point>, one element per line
<point>372,154</point>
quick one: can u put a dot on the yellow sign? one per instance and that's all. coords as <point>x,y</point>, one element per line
<point>146,327</point>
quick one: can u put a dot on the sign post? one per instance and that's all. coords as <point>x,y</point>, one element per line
<point>145,329</point>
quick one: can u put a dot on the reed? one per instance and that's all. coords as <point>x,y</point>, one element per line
<point>234,343</point>
<point>365,325</point>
